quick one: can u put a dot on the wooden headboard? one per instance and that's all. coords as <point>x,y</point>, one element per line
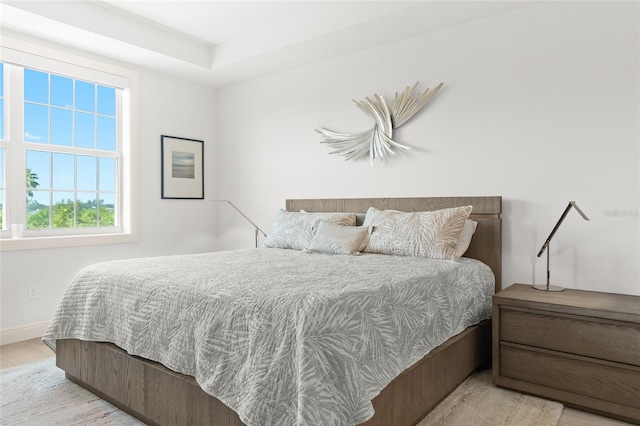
<point>486,244</point>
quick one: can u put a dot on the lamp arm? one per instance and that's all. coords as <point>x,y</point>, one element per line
<point>243,215</point>
<point>555,229</point>
<point>545,246</point>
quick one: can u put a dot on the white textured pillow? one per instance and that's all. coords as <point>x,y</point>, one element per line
<point>433,234</point>
<point>468,230</point>
<point>338,239</point>
<point>293,230</point>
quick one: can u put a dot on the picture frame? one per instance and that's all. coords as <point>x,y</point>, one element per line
<point>182,166</point>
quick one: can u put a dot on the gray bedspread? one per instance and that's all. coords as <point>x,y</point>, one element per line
<point>282,337</point>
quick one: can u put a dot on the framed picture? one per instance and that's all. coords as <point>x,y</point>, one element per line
<point>182,168</point>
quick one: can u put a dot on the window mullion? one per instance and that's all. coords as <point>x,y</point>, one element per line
<point>123,164</point>
<point>16,210</point>
<point>30,146</point>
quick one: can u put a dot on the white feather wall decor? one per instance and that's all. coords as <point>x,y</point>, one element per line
<point>376,142</point>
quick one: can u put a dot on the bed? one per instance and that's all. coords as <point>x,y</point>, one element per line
<point>156,394</point>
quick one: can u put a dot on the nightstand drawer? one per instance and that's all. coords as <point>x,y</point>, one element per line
<point>592,337</point>
<point>604,381</point>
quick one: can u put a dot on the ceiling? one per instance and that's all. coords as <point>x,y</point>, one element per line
<point>219,43</point>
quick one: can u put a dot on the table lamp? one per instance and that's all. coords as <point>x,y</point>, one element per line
<point>545,246</point>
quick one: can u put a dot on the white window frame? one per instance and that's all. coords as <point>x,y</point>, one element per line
<point>33,56</point>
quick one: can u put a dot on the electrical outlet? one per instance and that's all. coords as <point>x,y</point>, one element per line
<point>34,293</point>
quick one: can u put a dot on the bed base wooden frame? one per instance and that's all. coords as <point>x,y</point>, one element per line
<point>159,396</point>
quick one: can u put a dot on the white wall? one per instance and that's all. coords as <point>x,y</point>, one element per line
<point>167,106</point>
<point>540,105</point>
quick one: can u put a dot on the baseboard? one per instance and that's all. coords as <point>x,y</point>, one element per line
<point>20,334</point>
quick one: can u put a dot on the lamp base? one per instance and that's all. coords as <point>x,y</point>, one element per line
<point>548,288</point>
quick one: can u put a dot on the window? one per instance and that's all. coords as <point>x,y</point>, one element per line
<point>2,188</point>
<point>74,187</point>
<point>65,151</point>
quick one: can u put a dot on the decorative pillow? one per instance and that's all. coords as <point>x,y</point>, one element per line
<point>293,230</point>
<point>465,237</point>
<point>338,239</point>
<point>433,234</point>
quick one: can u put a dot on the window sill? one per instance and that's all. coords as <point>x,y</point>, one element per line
<point>29,243</point>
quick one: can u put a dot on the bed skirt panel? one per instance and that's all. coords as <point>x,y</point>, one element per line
<point>159,396</point>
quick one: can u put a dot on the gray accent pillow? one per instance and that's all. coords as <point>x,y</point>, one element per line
<point>434,234</point>
<point>295,230</point>
<point>338,239</point>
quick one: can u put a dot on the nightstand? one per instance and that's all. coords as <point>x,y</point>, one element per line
<point>581,348</point>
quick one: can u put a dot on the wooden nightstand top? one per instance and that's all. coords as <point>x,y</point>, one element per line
<point>613,306</point>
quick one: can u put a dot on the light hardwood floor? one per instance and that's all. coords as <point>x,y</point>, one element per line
<point>33,350</point>
<point>25,352</point>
